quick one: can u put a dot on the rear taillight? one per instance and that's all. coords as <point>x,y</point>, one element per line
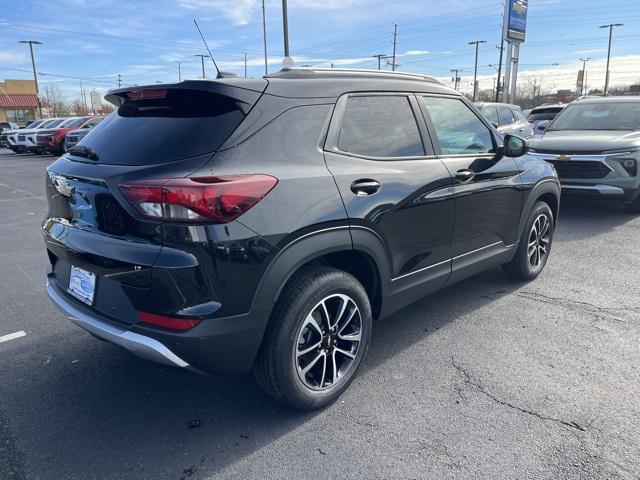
<point>202,199</point>
<point>171,323</point>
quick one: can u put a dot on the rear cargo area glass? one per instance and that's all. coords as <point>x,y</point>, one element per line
<point>183,124</point>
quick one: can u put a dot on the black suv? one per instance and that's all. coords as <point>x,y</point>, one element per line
<point>262,224</point>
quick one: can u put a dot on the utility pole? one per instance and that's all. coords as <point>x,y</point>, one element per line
<point>179,72</point>
<point>456,78</point>
<point>395,42</point>
<point>500,70</point>
<point>607,75</point>
<point>35,75</point>
<point>119,80</point>
<point>202,57</point>
<point>584,74</point>
<point>285,27</point>
<point>380,56</point>
<point>82,99</point>
<point>245,64</point>
<point>264,35</point>
<point>475,74</point>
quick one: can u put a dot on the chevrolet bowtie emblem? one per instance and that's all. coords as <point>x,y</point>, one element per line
<point>62,186</point>
<point>563,158</point>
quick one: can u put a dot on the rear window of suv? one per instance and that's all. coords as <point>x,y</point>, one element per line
<point>181,124</point>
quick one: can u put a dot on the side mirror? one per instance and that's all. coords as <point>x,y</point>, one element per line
<point>515,146</point>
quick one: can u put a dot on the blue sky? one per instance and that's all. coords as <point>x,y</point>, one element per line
<point>142,40</point>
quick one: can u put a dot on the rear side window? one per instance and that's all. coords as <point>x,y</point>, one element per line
<point>506,116</point>
<point>182,124</point>
<point>380,126</point>
<point>459,130</point>
<point>492,114</point>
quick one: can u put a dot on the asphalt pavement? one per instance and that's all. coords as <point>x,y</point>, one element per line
<point>488,379</point>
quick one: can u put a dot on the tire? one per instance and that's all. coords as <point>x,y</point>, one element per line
<point>634,207</point>
<point>63,146</point>
<point>534,248</point>
<point>296,364</point>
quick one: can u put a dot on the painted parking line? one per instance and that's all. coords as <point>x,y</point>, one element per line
<point>13,336</point>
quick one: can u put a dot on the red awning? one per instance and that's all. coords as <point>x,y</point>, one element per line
<point>18,100</point>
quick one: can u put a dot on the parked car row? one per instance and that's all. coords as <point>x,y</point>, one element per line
<point>54,136</point>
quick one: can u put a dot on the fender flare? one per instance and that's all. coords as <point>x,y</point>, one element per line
<point>316,244</point>
<point>543,187</point>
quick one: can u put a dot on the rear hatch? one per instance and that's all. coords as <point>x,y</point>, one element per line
<point>93,234</point>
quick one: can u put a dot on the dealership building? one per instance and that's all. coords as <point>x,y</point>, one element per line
<point>18,101</point>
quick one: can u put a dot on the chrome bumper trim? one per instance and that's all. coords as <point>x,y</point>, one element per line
<point>141,346</point>
<point>602,189</point>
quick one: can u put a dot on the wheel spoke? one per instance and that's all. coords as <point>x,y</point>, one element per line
<point>310,320</point>
<point>344,352</point>
<point>309,349</point>
<point>335,368</point>
<point>324,371</point>
<point>311,364</point>
<point>326,314</point>
<point>344,304</point>
<point>352,337</point>
<point>348,321</point>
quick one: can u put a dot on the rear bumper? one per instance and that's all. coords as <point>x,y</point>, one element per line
<point>217,345</point>
<point>140,345</point>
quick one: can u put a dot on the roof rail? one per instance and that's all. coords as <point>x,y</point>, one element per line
<point>301,72</point>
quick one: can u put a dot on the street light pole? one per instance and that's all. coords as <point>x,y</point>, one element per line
<point>584,74</point>
<point>610,27</point>
<point>179,72</point>
<point>202,57</point>
<point>35,75</point>
<point>475,73</point>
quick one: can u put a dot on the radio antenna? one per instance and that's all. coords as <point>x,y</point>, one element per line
<point>215,65</point>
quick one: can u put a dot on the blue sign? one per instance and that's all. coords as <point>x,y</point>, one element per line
<point>516,19</point>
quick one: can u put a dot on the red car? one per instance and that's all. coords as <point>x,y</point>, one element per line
<point>53,141</point>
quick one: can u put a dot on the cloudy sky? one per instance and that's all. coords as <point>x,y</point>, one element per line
<point>143,40</point>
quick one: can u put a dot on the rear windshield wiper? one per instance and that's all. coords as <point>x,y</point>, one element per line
<point>82,151</point>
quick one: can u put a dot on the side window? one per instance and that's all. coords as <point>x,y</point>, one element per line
<point>459,130</point>
<point>518,115</point>
<point>380,126</point>
<point>506,117</point>
<point>492,114</point>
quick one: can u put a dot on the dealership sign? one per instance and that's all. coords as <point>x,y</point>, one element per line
<point>515,24</point>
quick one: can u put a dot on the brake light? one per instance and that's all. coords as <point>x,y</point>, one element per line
<point>146,94</point>
<point>202,199</point>
<point>171,323</point>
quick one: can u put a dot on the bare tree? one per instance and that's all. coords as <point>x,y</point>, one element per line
<point>78,107</point>
<point>106,108</point>
<point>56,103</point>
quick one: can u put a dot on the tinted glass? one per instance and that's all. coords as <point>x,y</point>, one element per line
<point>74,122</point>
<point>492,114</point>
<point>506,117</point>
<point>184,124</point>
<point>459,130</point>
<point>380,126</point>
<point>544,113</point>
<point>52,123</point>
<point>518,115</point>
<point>35,124</point>
<point>599,116</point>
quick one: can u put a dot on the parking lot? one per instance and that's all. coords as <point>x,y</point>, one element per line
<point>487,379</point>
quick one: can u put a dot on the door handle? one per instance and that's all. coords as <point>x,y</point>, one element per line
<point>365,187</point>
<point>465,176</point>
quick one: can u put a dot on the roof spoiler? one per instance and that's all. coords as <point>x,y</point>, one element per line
<point>241,90</point>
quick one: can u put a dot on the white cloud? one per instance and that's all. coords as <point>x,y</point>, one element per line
<point>237,11</point>
<point>11,57</point>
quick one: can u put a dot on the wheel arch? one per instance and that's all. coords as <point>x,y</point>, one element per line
<point>364,257</point>
<point>547,191</point>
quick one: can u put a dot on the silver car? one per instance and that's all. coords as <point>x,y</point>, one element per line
<point>508,119</point>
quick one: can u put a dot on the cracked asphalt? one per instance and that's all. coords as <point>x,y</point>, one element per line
<point>485,380</point>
